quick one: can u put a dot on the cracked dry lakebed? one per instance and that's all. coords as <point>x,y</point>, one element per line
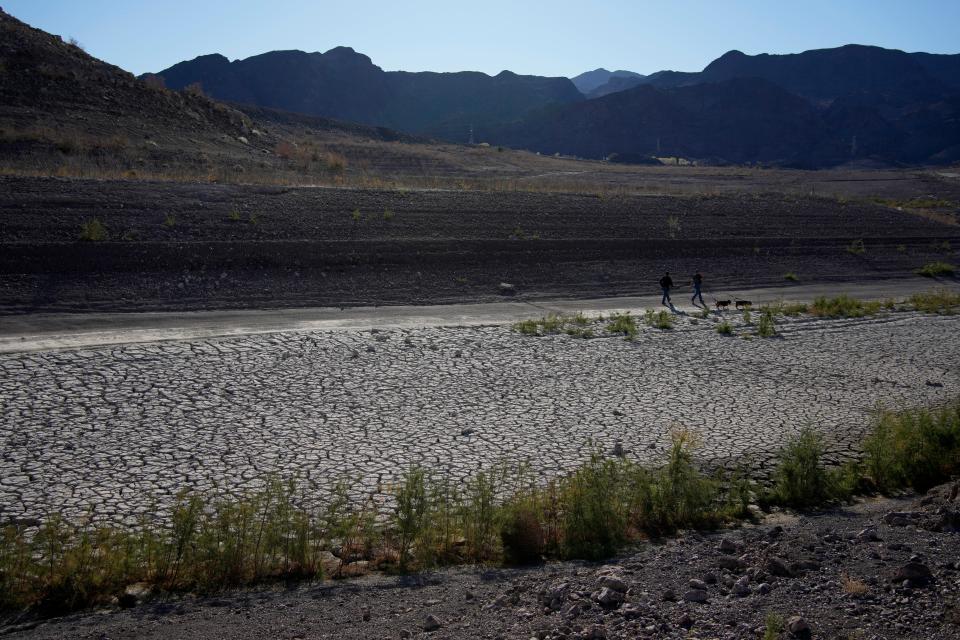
<point>118,431</point>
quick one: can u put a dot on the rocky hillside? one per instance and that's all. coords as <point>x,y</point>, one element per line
<point>813,109</point>
<point>342,83</point>
<point>588,81</point>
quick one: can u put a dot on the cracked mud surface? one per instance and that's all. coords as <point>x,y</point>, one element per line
<point>120,430</point>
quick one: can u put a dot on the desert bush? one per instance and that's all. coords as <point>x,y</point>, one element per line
<point>93,230</point>
<point>725,328</point>
<point>856,248</point>
<point>767,327</point>
<point>941,301</point>
<point>781,308</point>
<point>388,215</point>
<point>790,276</point>
<point>410,513</point>
<point>843,307</point>
<point>915,448</point>
<point>659,319</point>
<point>194,89</point>
<point>594,520</point>
<point>681,496</point>
<point>936,269</point>
<point>521,534</point>
<point>170,221</point>
<point>801,480</point>
<point>624,324</point>
<point>773,625</point>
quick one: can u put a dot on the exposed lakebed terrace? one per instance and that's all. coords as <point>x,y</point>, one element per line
<point>117,432</point>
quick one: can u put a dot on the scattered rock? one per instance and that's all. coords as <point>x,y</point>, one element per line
<point>778,567</point>
<point>699,585</point>
<point>432,623</point>
<point>614,582</point>
<point>685,621</point>
<point>695,595</point>
<point>134,594</point>
<point>916,572</point>
<point>741,587</point>
<point>730,563</point>
<point>727,546</point>
<point>507,289</point>
<point>798,627</point>
<point>868,535</point>
<point>608,598</point>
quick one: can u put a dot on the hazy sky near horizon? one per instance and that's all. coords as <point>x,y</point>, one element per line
<point>555,38</point>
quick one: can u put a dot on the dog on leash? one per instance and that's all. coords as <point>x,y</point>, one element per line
<point>721,304</point>
<point>743,304</point>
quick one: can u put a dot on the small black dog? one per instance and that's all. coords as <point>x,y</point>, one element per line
<point>743,304</point>
<point>721,304</point>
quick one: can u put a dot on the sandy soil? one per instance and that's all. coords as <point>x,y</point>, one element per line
<point>191,246</point>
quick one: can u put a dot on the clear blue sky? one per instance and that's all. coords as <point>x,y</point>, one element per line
<point>557,37</point>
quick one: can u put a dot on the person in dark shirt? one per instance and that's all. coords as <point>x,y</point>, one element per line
<point>666,283</point>
<point>697,284</point>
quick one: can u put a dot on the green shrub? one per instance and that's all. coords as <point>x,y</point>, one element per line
<point>624,324</point>
<point>594,522</point>
<point>800,478</point>
<point>388,215</point>
<point>773,625</point>
<point>93,231</point>
<point>766,328</point>
<point>410,512</point>
<point>725,328</point>
<point>170,221</point>
<point>941,301</point>
<point>781,308</point>
<point>843,307</point>
<point>659,319</point>
<point>917,449</point>
<point>790,276</point>
<point>681,496</point>
<point>355,215</point>
<point>936,269</point>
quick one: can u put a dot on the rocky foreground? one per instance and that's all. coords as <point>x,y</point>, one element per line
<point>880,569</point>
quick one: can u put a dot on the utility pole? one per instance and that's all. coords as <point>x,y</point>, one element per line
<point>471,133</point>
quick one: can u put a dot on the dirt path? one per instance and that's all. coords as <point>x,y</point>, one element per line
<point>41,332</point>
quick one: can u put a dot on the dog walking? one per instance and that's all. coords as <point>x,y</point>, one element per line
<point>697,285</point>
<point>666,283</point>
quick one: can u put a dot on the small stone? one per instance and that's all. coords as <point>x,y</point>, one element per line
<point>763,588</point>
<point>741,587</point>
<point>432,623</point>
<point>366,614</point>
<point>868,535</point>
<point>608,598</point>
<point>917,573</point>
<point>614,582</point>
<point>798,627</point>
<point>685,621</point>
<point>695,595</point>
<point>669,595</point>
<point>507,289</point>
<point>736,565</point>
<point>778,567</point>
<point>727,546</point>
<point>697,584</point>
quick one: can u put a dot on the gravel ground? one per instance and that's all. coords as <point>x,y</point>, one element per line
<point>882,569</point>
<point>119,430</point>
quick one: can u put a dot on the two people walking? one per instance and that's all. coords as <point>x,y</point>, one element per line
<point>666,283</point>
